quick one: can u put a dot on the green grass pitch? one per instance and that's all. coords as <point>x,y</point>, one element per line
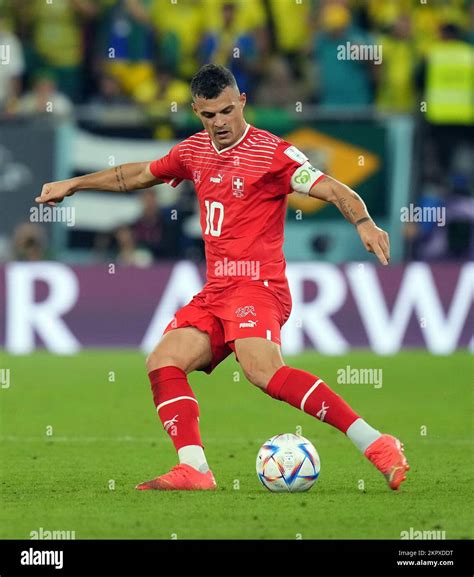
<point>74,445</point>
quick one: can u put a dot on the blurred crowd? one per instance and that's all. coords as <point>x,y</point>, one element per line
<point>141,54</point>
<point>145,51</point>
<point>156,234</point>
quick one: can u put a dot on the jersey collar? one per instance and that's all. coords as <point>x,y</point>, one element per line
<point>247,128</point>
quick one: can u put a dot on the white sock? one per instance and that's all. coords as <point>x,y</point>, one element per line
<point>362,434</point>
<point>193,455</point>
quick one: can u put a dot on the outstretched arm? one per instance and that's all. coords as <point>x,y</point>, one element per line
<point>121,178</point>
<point>354,210</point>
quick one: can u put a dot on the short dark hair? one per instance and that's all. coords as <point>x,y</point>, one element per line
<point>211,80</point>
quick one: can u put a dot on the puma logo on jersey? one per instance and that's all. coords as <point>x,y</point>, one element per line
<point>217,179</point>
<point>249,324</point>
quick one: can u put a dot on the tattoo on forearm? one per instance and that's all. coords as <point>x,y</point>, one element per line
<point>120,179</point>
<point>347,210</point>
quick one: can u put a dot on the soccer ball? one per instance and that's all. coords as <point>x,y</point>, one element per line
<point>288,463</point>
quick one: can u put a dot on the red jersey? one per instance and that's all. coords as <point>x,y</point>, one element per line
<point>242,192</point>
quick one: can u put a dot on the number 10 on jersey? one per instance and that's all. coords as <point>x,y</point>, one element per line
<point>214,228</point>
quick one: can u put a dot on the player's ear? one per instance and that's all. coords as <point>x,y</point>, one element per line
<point>243,99</point>
<point>193,106</point>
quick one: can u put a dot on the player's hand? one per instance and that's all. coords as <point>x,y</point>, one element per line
<point>54,192</point>
<point>375,240</point>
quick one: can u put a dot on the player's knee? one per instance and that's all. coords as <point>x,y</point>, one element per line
<point>254,376</point>
<point>260,374</point>
<point>158,359</point>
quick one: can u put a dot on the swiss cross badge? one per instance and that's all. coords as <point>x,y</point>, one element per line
<point>238,186</point>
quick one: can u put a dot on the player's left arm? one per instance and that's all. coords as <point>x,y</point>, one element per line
<point>354,210</point>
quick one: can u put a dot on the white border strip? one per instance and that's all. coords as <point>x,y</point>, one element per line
<point>305,398</point>
<point>173,401</point>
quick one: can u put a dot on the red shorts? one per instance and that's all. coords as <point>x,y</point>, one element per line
<point>251,309</point>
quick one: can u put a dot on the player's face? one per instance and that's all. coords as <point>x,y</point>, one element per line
<point>223,116</point>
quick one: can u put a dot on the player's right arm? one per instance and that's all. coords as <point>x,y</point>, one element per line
<point>121,178</point>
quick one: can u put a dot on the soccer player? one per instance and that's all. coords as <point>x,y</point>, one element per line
<point>242,176</point>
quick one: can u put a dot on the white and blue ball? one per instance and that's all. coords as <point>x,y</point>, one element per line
<point>288,463</point>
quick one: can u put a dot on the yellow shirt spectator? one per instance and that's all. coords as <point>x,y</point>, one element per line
<point>449,96</point>
<point>184,19</point>
<point>384,14</point>
<point>249,15</point>
<point>428,18</point>
<point>292,24</point>
<point>57,35</point>
<point>396,89</point>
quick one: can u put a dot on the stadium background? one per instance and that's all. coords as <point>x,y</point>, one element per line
<point>87,85</point>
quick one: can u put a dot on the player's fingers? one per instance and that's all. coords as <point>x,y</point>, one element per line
<point>380,254</point>
<point>386,250</point>
<point>386,239</point>
<point>42,198</point>
<point>383,243</point>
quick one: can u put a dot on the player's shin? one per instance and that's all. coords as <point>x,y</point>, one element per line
<point>311,394</point>
<point>178,410</point>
